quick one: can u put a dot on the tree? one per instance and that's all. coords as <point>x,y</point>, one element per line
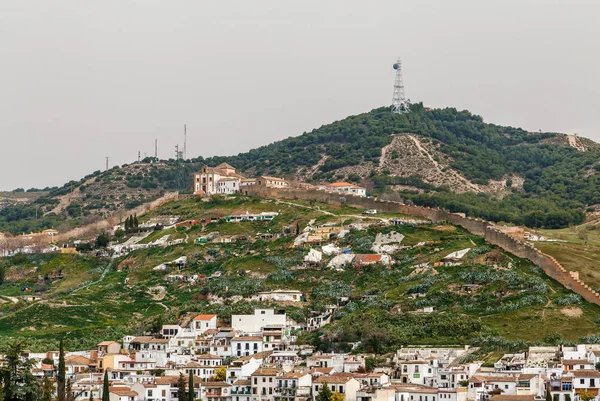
<point>19,382</point>
<point>220,374</point>
<point>136,224</point>
<point>597,365</point>
<point>69,395</point>
<point>191,386</point>
<point>119,234</point>
<point>548,395</point>
<point>102,241</point>
<point>47,389</point>
<point>336,396</point>
<point>105,388</point>
<point>181,393</point>
<point>324,393</point>
<point>91,394</point>
<point>60,378</point>
<point>585,396</point>
<point>370,363</point>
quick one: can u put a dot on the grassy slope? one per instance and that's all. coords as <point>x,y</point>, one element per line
<point>114,305</point>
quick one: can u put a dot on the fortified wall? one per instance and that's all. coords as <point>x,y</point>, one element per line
<point>106,224</point>
<point>480,227</point>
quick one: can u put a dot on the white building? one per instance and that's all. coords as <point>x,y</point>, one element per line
<point>228,185</point>
<point>281,295</point>
<point>254,323</point>
<point>345,188</point>
<point>246,345</point>
<point>201,323</point>
<point>207,179</point>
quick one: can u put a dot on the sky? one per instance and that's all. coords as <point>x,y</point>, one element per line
<point>84,80</point>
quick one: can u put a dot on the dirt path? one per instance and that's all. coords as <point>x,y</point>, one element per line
<point>457,176</point>
<point>359,216</point>
<point>65,200</point>
<point>574,143</point>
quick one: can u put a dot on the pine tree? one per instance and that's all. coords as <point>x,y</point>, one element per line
<point>105,388</point>
<point>60,378</point>
<point>181,393</point>
<point>324,393</point>
<point>191,386</point>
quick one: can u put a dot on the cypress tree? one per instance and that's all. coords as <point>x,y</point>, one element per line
<point>69,395</point>
<point>191,386</point>
<point>105,389</point>
<point>60,378</point>
<point>135,221</point>
<point>181,393</point>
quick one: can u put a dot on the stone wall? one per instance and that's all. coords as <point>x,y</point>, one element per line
<point>480,227</point>
<point>94,229</point>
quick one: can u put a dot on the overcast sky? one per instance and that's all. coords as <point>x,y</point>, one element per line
<point>82,80</point>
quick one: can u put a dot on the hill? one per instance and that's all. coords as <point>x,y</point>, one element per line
<point>441,157</point>
<point>489,296</point>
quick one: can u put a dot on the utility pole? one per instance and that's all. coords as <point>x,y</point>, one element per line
<point>184,142</point>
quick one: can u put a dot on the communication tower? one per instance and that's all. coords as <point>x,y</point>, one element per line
<point>399,102</point>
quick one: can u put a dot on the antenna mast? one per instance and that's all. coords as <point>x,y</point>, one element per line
<point>156,149</point>
<point>184,141</point>
<point>400,104</point>
<point>106,163</point>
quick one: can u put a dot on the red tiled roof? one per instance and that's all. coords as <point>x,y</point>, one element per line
<point>204,317</point>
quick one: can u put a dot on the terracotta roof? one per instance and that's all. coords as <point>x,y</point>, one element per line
<point>585,373</point>
<point>260,355</point>
<point>103,343</point>
<point>367,258</point>
<point>204,317</point>
<point>215,384</point>
<point>333,379</point>
<point>149,340</point>
<point>502,397</point>
<point>225,165</point>
<point>527,376</point>
<point>125,392</point>
<point>419,362</point>
<point>341,184</point>
<point>77,360</point>
<point>293,375</point>
<point>208,356</point>
<point>576,362</point>
<point>480,378</point>
<point>47,367</point>
<point>247,338</point>
<point>266,177</point>
<point>265,372</point>
<point>325,371</point>
<point>241,382</point>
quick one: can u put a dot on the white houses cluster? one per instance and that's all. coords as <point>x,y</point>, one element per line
<point>255,358</point>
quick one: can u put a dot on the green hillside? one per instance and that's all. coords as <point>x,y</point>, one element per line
<point>557,182</point>
<point>492,296</point>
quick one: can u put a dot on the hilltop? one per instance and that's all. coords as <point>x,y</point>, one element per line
<point>487,293</point>
<point>441,157</point>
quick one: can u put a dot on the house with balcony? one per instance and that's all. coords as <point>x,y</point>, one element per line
<point>246,345</point>
<point>585,381</point>
<point>241,390</point>
<point>414,371</point>
<point>202,323</point>
<point>264,381</point>
<point>215,391</point>
<point>341,383</point>
<point>293,386</point>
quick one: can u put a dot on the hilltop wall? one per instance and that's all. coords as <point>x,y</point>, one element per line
<point>480,227</point>
<point>93,229</point>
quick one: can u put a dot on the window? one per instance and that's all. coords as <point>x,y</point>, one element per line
<point>581,381</point>
<point>149,393</point>
<point>506,386</point>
